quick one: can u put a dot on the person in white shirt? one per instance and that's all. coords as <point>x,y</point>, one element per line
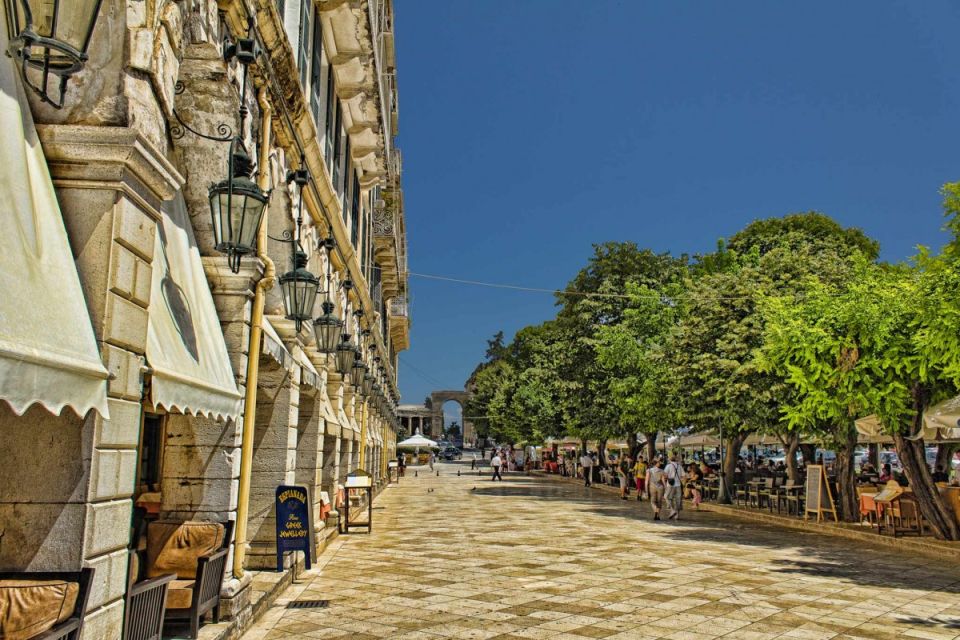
<point>655,487</point>
<point>673,481</point>
<point>587,463</point>
<point>496,462</point>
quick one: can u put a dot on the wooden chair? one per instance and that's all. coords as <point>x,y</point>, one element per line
<point>145,604</point>
<point>766,493</point>
<point>903,516</point>
<point>197,553</point>
<point>49,589</point>
<point>790,496</point>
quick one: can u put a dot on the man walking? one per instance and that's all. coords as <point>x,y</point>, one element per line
<point>673,480</point>
<point>655,487</point>
<point>587,463</point>
<point>496,462</point>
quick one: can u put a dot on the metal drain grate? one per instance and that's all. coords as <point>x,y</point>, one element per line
<point>309,604</point>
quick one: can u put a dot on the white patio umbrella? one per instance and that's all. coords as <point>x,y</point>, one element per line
<point>416,441</point>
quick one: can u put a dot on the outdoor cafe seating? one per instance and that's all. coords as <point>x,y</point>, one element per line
<point>44,605</point>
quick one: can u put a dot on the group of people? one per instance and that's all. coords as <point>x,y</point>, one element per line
<point>663,482</point>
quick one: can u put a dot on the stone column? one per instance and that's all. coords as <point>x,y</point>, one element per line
<point>274,456</point>
<point>310,447</point>
<point>71,506</point>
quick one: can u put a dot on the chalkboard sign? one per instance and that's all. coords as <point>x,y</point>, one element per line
<point>293,523</point>
<point>818,498</point>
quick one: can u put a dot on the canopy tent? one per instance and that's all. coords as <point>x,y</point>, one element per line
<point>940,423</point>
<point>48,351</point>
<point>416,441</point>
<point>192,373</point>
<point>698,440</point>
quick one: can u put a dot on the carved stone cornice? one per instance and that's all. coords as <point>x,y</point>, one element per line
<point>83,156</point>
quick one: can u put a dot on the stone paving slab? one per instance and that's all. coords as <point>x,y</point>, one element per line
<point>463,557</point>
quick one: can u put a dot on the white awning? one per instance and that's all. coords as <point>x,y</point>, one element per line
<point>308,373</point>
<point>48,351</point>
<point>185,348</point>
<point>273,346</point>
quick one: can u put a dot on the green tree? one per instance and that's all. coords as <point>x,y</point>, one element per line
<point>632,352</point>
<point>888,344</point>
<point>597,297</point>
<point>720,382</point>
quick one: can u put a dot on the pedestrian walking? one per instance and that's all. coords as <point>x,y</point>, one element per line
<point>640,476</point>
<point>655,487</point>
<point>402,465</point>
<point>673,482</point>
<point>496,462</point>
<point>587,463</point>
<point>624,467</point>
<point>430,460</point>
<point>693,483</point>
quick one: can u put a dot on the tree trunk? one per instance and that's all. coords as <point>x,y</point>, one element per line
<point>633,444</point>
<point>847,501</point>
<point>809,453</point>
<point>790,458</point>
<point>935,511</point>
<point>945,451</point>
<point>583,446</point>
<point>733,445</point>
<point>651,447</point>
<point>601,453</point>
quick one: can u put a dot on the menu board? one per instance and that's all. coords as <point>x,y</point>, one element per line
<point>818,498</point>
<point>293,523</point>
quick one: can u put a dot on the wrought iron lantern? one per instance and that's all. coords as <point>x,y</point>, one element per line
<point>357,371</point>
<point>299,287</point>
<point>346,354</point>
<point>368,382</point>
<point>328,327</point>
<point>237,203</point>
<point>299,291</point>
<point>50,38</point>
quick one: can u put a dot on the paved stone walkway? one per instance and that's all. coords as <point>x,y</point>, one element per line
<point>463,557</point>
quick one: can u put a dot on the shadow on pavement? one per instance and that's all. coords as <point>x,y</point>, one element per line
<point>825,556</point>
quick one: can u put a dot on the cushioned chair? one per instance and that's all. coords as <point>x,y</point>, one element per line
<point>196,552</point>
<point>43,606</point>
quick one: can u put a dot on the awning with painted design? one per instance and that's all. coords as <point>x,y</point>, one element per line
<point>192,373</point>
<point>48,350</point>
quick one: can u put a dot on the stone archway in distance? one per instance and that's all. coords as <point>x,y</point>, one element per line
<point>438,398</point>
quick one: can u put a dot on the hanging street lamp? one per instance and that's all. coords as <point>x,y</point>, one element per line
<point>328,327</point>
<point>50,38</point>
<point>345,355</point>
<point>359,368</point>
<point>368,381</point>
<point>345,350</point>
<point>236,203</point>
<point>299,287</point>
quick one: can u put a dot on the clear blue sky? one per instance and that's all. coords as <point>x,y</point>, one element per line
<point>533,128</point>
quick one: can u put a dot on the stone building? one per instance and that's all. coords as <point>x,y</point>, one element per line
<point>139,363</point>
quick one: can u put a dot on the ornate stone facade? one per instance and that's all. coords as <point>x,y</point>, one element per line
<point>321,96</point>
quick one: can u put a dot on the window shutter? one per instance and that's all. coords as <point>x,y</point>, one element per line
<point>316,67</point>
